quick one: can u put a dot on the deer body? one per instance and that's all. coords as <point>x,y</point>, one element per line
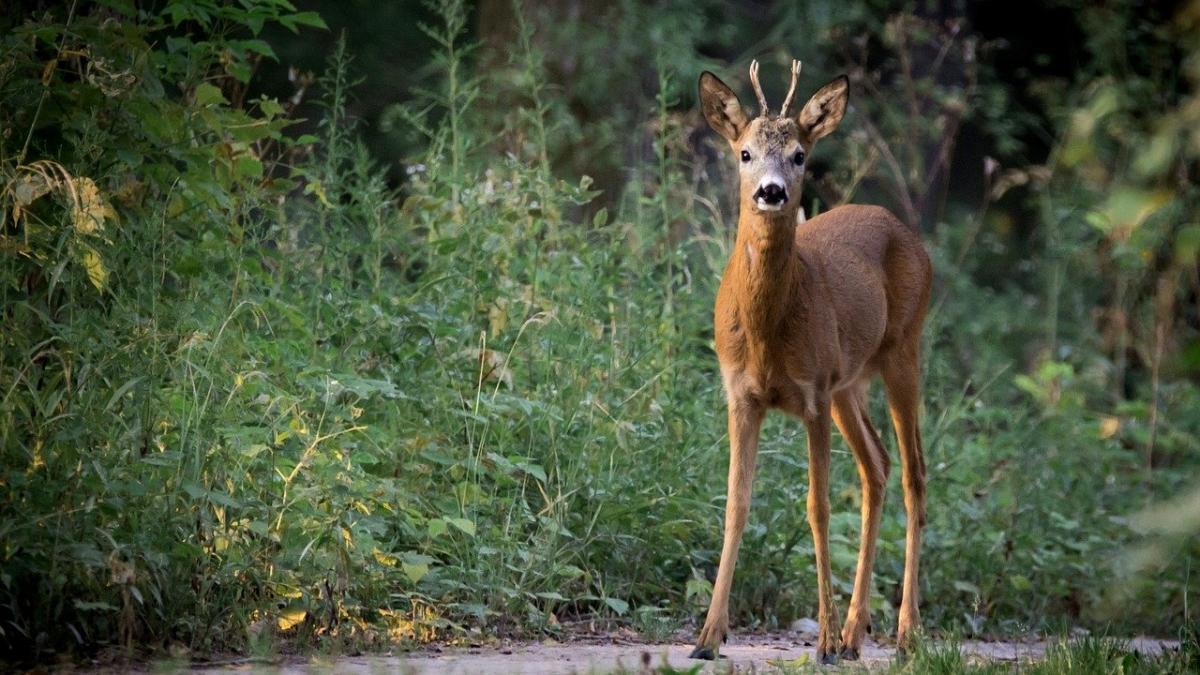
<point>805,316</point>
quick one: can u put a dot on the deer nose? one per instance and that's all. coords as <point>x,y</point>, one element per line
<point>772,194</point>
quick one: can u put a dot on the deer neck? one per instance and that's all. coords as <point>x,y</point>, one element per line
<point>768,269</point>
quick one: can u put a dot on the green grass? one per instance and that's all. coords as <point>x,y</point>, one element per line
<point>1074,657</point>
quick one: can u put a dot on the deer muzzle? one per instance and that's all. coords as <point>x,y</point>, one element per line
<point>771,195</point>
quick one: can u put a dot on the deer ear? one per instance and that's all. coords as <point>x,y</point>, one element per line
<point>721,107</point>
<point>821,115</point>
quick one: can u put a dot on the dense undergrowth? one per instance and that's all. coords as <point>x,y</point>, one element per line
<point>252,396</point>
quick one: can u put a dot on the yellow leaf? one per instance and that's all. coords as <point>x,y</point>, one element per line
<point>498,316</point>
<point>316,188</point>
<point>297,426</point>
<point>385,559</point>
<point>1109,426</point>
<point>290,618</point>
<point>38,461</point>
<point>88,211</point>
<point>95,268</point>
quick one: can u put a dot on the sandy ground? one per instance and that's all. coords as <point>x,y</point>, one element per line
<point>747,654</point>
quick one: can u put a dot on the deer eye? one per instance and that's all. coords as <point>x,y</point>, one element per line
<point>799,158</point>
<point>745,156</point>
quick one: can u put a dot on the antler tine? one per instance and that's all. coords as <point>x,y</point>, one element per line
<point>762,99</point>
<point>792,89</point>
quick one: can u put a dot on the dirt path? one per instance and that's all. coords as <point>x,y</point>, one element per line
<point>766,653</point>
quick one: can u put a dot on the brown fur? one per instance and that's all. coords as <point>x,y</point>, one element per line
<point>805,316</point>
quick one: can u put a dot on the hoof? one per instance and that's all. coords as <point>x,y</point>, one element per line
<point>827,658</point>
<point>849,653</point>
<point>705,653</point>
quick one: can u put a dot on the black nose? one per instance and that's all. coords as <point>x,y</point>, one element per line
<point>771,193</point>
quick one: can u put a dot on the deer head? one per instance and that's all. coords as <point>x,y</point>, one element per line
<point>772,150</point>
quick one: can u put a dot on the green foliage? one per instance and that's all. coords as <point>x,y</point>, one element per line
<point>1067,657</point>
<point>252,394</point>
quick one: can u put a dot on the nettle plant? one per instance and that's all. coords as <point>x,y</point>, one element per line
<point>116,110</point>
<point>132,167</point>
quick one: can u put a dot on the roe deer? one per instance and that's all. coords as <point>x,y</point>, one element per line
<point>806,315</point>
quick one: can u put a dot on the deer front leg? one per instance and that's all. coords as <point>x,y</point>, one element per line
<point>745,418</point>
<point>818,519</point>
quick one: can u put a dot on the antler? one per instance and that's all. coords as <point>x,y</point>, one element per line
<point>792,89</point>
<point>762,99</point>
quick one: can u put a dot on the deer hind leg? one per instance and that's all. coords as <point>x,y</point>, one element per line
<point>901,377</point>
<point>850,415</point>
<point>818,519</point>
<point>745,419</point>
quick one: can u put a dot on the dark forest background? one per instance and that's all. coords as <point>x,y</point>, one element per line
<point>351,324</point>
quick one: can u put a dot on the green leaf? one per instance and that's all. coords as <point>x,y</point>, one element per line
<point>415,571</point>
<point>697,588</point>
<point>223,499</point>
<point>463,524</point>
<point>194,491</point>
<point>309,19</point>
<point>240,70</point>
<point>169,458</point>
<point>207,94</point>
<point>258,47</point>
<point>617,605</point>
<point>248,167</point>
<point>270,107</point>
<point>121,391</point>
<point>437,527</point>
<point>966,587</point>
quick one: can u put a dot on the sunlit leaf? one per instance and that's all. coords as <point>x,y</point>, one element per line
<point>94,266</point>
<point>415,571</point>
<point>463,524</point>
<point>1109,426</point>
<point>290,618</point>
<point>384,558</point>
<point>88,208</point>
